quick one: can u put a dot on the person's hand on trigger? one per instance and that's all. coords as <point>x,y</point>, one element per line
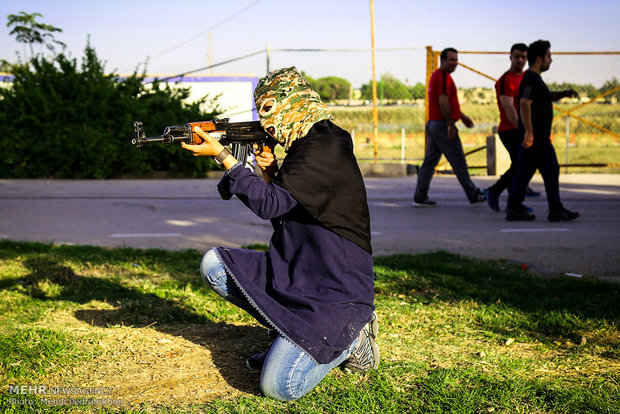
<point>266,158</point>
<point>267,161</point>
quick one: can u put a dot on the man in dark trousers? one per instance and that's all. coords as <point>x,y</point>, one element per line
<point>507,92</point>
<point>536,151</point>
<point>443,136</point>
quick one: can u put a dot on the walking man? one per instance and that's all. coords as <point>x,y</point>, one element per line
<point>507,91</point>
<point>443,136</point>
<point>536,151</point>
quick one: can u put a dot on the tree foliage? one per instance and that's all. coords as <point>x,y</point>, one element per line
<point>418,91</point>
<point>608,86</point>
<point>392,89</point>
<point>586,90</point>
<point>67,120</point>
<point>331,88</point>
<point>28,30</point>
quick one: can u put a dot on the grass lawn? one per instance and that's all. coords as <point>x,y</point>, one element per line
<point>126,330</point>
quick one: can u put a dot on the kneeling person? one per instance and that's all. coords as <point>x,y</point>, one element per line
<point>314,287</point>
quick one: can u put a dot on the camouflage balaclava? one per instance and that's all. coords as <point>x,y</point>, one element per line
<point>287,105</point>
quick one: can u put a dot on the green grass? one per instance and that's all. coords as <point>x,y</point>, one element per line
<point>456,335</point>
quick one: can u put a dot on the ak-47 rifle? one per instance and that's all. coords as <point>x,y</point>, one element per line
<point>239,135</point>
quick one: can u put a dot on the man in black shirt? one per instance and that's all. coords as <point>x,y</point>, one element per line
<point>536,151</point>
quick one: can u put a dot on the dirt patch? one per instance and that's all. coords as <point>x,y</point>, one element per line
<point>166,365</point>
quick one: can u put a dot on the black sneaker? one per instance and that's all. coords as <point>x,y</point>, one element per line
<point>255,362</point>
<point>423,202</point>
<point>479,197</point>
<point>492,199</point>
<point>531,193</point>
<point>366,354</point>
<point>522,215</point>
<point>526,208</point>
<point>562,215</point>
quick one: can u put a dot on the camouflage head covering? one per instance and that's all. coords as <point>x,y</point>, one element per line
<point>287,105</point>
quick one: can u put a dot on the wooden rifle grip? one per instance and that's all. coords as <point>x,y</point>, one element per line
<point>206,126</point>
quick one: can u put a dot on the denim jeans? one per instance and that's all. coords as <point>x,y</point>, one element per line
<point>289,372</point>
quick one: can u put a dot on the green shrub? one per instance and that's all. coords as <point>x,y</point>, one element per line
<point>65,120</point>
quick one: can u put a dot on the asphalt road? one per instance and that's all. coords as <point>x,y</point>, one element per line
<point>181,214</point>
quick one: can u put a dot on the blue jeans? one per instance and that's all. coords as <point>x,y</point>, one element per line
<point>289,372</point>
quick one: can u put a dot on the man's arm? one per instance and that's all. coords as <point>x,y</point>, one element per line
<point>507,103</point>
<point>467,120</point>
<point>446,113</point>
<point>526,118</point>
<point>568,93</point>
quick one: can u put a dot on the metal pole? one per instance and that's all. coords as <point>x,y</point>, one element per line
<point>375,115</point>
<point>430,68</point>
<point>402,146</point>
<point>268,50</point>
<point>567,141</point>
<point>210,50</point>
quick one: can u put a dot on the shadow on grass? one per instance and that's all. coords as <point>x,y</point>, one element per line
<point>553,306</point>
<point>227,343</point>
<point>514,301</point>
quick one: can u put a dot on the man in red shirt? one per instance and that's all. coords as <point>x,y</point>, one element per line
<point>443,136</point>
<point>507,91</point>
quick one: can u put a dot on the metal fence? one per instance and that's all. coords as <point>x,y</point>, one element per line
<point>585,130</point>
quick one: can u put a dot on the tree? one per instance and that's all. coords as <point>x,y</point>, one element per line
<point>310,79</point>
<point>587,90</point>
<point>5,66</point>
<point>331,88</point>
<point>27,30</point>
<point>388,88</point>
<point>609,85</point>
<point>65,120</point>
<point>418,91</point>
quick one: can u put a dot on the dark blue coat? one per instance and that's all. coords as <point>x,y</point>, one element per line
<point>314,286</point>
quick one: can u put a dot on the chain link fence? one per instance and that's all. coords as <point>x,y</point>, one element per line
<point>585,131</point>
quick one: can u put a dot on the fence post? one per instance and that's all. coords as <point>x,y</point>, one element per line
<point>498,159</point>
<point>567,141</point>
<point>402,146</point>
<point>430,67</point>
<point>491,155</point>
<point>375,115</point>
